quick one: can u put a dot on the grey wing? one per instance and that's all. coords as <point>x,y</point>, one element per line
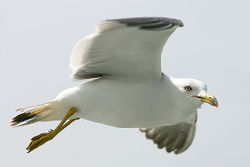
<point>123,47</point>
<point>175,138</point>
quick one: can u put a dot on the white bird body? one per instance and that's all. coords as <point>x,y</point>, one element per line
<point>125,86</point>
<point>126,103</point>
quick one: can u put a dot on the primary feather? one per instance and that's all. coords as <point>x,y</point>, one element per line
<point>176,137</point>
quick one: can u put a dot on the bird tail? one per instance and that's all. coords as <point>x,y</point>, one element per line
<point>32,114</point>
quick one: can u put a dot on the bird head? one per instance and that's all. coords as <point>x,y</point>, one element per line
<point>195,90</point>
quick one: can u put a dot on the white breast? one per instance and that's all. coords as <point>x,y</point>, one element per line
<point>128,103</point>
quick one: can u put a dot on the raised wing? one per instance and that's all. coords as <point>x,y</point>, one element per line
<point>175,138</point>
<point>123,47</point>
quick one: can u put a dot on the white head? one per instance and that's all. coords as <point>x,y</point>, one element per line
<point>195,90</point>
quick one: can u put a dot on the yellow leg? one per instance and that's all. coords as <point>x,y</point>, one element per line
<point>42,138</point>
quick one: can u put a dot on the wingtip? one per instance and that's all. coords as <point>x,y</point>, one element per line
<point>150,23</point>
<point>178,23</point>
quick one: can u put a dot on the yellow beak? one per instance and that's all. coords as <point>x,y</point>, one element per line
<point>210,99</point>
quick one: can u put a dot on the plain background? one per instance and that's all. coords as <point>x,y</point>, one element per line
<point>36,39</point>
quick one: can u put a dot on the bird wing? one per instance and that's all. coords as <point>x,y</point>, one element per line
<point>176,138</point>
<point>129,47</point>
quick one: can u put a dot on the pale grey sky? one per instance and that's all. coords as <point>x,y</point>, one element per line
<point>36,41</point>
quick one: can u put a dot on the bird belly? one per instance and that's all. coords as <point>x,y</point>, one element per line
<point>121,104</point>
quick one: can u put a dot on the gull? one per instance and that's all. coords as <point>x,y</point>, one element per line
<point>123,86</point>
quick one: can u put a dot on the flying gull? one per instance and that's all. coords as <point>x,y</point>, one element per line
<point>124,86</point>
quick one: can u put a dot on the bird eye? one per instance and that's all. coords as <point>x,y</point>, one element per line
<point>188,88</point>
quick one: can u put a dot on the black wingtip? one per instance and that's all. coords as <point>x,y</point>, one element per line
<point>151,23</point>
<point>179,23</point>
